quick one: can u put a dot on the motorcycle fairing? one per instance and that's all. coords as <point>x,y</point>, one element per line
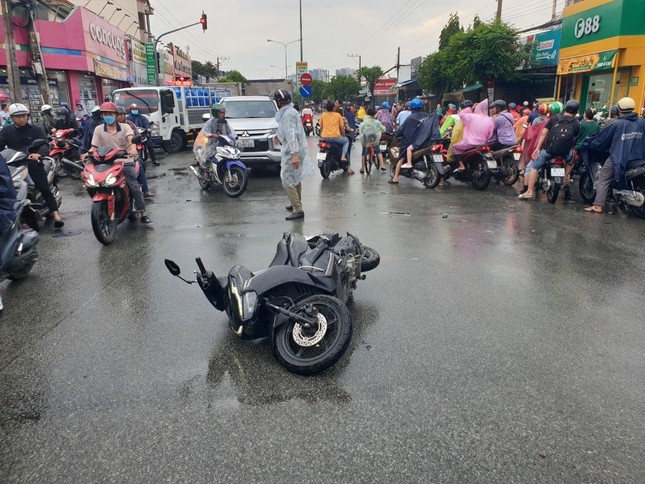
<point>232,163</point>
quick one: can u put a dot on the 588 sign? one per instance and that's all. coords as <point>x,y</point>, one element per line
<point>586,26</point>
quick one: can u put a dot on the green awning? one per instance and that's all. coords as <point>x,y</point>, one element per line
<point>472,87</point>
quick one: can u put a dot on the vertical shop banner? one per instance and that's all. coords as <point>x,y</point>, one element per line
<point>138,62</point>
<point>150,62</point>
<point>301,68</point>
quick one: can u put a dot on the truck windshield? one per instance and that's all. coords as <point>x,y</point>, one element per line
<point>250,109</point>
<point>146,99</point>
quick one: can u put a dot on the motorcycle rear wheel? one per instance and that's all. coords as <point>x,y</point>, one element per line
<point>308,360</point>
<point>480,177</point>
<point>235,181</point>
<point>433,177</point>
<point>510,164</point>
<point>104,228</point>
<point>587,190</point>
<point>325,170</point>
<point>553,192</point>
<point>371,259</point>
<point>371,158</point>
<point>16,276</point>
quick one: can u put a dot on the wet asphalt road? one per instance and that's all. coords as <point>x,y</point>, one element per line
<point>502,343</point>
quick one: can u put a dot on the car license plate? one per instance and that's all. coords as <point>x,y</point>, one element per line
<point>557,172</point>
<point>245,143</point>
<point>437,158</point>
<point>383,147</point>
<point>321,156</point>
<point>492,164</point>
<point>517,156</point>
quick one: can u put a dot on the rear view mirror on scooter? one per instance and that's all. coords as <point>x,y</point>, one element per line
<point>174,269</point>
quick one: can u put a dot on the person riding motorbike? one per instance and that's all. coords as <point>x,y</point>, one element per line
<point>94,121</point>
<point>119,136</point>
<point>143,180</point>
<point>625,141</point>
<point>141,122</point>
<point>384,115</point>
<point>403,114</point>
<point>541,155</point>
<point>369,131</point>
<point>451,120</point>
<point>47,120</point>
<point>19,136</point>
<point>215,127</point>
<point>332,129</point>
<point>477,129</point>
<point>542,114</point>
<point>503,127</point>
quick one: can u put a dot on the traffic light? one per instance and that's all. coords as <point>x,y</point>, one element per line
<point>204,22</point>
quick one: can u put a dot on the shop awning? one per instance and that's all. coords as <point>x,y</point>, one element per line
<point>472,87</point>
<point>405,83</point>
<point>585,63</point>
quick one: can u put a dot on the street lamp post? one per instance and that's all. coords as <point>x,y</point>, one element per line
<point>285,52</point>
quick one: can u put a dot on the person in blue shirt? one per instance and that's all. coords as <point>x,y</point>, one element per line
<point>141,122</point>
<point>504,132</point>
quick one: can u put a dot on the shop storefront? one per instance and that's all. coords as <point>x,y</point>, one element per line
<point>602,52</point>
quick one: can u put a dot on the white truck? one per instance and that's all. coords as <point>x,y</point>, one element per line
<point>177,112</point>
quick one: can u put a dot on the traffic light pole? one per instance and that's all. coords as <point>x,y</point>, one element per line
<point>157,43</point>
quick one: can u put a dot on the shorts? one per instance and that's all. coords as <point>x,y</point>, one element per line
<point>377,149</point>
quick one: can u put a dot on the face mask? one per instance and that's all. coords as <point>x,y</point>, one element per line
<point>109,119</point>
<point>134,112</point>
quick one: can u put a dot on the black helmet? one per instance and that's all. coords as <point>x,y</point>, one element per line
<point>499,104</point>
<point>120,110</point>
<point>572,107</point>
<point>281,96</point>
<point>467,103</point>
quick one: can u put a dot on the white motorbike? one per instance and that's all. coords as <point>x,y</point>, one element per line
<point>225,168</point>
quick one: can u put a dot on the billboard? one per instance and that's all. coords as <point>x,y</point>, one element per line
<point>546,48</point>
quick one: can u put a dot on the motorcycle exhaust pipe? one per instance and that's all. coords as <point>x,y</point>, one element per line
<point>196,173</point>
<point>631,198</point>
<point>71,164</point>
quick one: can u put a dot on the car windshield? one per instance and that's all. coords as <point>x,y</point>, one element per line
<point>250,109</point>
<point>146,99</point>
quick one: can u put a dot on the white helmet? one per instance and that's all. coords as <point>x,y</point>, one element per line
<point>18,109</point>
<point>45,107</point>
<point>95,109</point>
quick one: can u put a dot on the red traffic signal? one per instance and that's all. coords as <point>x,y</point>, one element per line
<point>204,21</point>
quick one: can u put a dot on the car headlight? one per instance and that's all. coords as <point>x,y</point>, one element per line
<point>90,181</point>
<point>249,302</point>
<point>110,180</point>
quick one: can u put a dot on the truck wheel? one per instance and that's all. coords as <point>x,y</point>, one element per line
<point>174,144</point>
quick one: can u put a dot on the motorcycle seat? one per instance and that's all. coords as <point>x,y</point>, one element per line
<point>635,172</point>
<point>423,151</point>
<point>472,152</point>
<point>507,149</point>
<point>289,251</point>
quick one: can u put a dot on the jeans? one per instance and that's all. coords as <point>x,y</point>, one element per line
<point>143,181</point>
<point>342,141</point>
<point>151,150</point>
<point>133,184</point>
<point>604,182</point>
<point>540,161</point>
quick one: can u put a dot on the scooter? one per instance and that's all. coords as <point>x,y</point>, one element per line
<point>329,158</point>
<point>507,158</point>
<point>478,164</point>
<point>65,152</point>
<point>18,252</point>
<point>426,164</point>
<point>308,124</point>
<point>299,302</point>
<point>226,169</point>
<point>105,181</point>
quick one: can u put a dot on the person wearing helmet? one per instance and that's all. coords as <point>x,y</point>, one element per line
<point>370,131</point>
<point>112,134</point>
<point>215,127</point>
<point>521,125</point>
<point>47,120</point>
<point>512,109</point>
<point>503,126</point>
<point>625,141</point>
<point>332,129</point>
<point>450,120</point>
<point>19,136</point>
<point>141,178</point>
<point>542,114</point>
<point>558,137</point>
<point>94,121</point>
<point>293,149</point>
<point>384,115</point>
<point>613,116</point>
<point>141,122</point>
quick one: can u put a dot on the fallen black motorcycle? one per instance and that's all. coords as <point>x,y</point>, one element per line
<point>299,302</point>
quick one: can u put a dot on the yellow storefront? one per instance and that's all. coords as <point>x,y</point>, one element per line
<point>602,52</point>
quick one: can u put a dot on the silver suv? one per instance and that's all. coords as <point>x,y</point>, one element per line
<point>253,120</point>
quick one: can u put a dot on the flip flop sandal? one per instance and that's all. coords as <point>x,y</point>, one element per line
<point>593,209</point>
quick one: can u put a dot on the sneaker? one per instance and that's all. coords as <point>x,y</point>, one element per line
<point>156,163</point>
<point>295,216</point>
<point>132,217</point>
<point>58,224</point>
<point>145,220</point>
<point>289,208</point>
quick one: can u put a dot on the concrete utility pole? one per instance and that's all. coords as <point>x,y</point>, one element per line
<point>13,73</point>
<point>499,10</point>
<point>555,6</point>
<point>354,56</point>
<point>301,56</point>
<point>222,59</point>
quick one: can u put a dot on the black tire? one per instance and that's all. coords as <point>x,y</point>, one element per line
<point>553,192</point>
<point>317,130</point>
<point>587,190</point>
<point>60,171</point>
<point>480,177</point>
<point>174,144</point>
<point>325,170</point>
<point>314,359</point>
<point>104,228</point>
<point>204,183</point>
<point>235,181</point>
<point>433,177</point>
<point>510,164</point>
<point>369,160</point>
<point>371,259</point>
<point>16,276</point>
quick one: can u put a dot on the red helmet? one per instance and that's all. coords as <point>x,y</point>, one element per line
<point>108,108</point>
<point>526,112</point>
<point>133,106</point>
<point>542,109</point>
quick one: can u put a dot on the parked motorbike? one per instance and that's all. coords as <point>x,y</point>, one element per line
<point>66,151</point>
<point>479,165</point>
<point>329,158</point>
<point>105,181</point>
<point>299,301</point>
<point>308,124</point>
<point>37,207</point>
<point>507,171</point>
<point>426,163</point>
<point>18,252</point>
<point>227,169</point>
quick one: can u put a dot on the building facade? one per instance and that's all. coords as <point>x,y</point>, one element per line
<point>602,52</point>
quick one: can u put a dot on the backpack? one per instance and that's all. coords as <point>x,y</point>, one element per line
<point>561,137</point>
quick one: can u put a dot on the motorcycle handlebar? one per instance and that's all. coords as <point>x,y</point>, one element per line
<point>200,265</point>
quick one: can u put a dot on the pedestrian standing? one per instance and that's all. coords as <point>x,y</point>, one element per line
<point>295,154</point>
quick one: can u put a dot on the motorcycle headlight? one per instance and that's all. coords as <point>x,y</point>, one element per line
<point>249,302</point>
<point>154,131</point>
<point>110,180</point>
<point>91,182</point>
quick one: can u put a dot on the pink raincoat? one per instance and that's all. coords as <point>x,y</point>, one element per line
<point>478,127</point>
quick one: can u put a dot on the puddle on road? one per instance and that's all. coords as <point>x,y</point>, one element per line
<point>66,234</point>
<point>405,214</point>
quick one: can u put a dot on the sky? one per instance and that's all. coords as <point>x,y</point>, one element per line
<point>238,29</point>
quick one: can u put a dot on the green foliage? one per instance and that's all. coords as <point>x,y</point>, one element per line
<point>318,90</point>
<point>206,70</point>
<point>371,75</point>
<point>342,88</point>
<point>451,28</point>
<point>233,76</point>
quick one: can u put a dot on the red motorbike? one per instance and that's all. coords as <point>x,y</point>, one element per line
<point>65,152</point>
<point>308,123</point>
<point>105,181</point>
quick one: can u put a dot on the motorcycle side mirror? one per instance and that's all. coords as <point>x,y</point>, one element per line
<point>172,267</point>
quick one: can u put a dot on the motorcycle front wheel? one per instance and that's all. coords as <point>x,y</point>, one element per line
<point>585,185</point>
<point>235,181</point>
<point>59,169</point>
<point>480,177</point>
<point>510,164</point>
<point>104,228</point>
<point>371,259</point>
<point>309,351</point>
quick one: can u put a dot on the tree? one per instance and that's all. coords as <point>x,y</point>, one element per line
<point>233,76</point>
<point>342,88</point>
<point>371,75</point>
<point>451,28</point>
<point>206,70</point>
<point>318,90</point>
